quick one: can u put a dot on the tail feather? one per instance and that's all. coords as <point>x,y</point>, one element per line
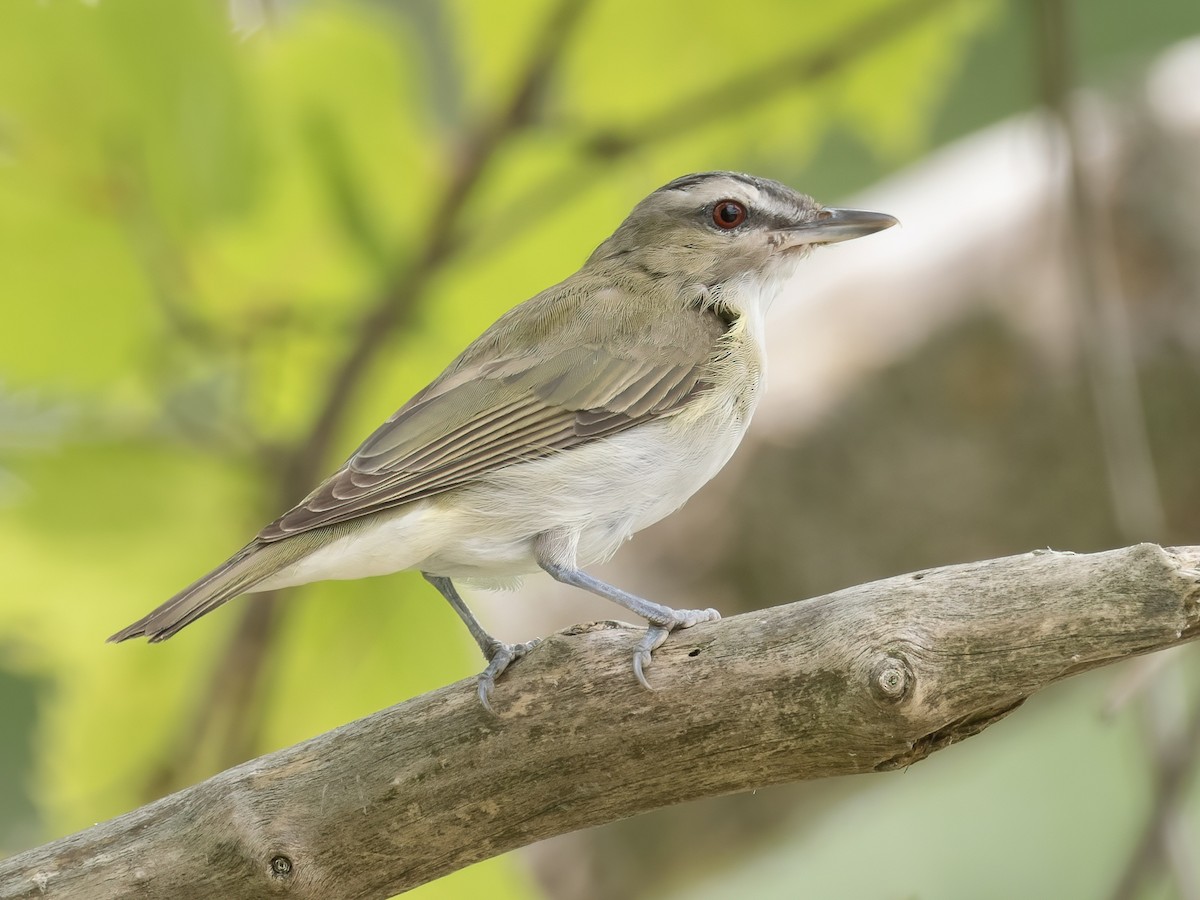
<point>235,576</point>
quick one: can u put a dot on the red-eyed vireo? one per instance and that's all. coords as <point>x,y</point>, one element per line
<point>580,417</point>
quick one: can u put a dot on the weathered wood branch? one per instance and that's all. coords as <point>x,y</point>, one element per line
<point>866,679</point>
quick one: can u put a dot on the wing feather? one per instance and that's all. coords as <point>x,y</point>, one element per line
<point>501,410</point>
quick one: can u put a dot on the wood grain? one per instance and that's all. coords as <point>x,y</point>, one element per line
<point>866,679</point>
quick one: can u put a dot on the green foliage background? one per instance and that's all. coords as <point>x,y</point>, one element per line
<point>192,222</point>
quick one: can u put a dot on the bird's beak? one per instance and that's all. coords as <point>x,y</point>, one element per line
<point>831,225</point>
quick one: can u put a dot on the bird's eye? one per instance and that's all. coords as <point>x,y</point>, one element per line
<point>728,214</point>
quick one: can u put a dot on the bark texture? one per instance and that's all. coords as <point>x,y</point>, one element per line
<point>870,678</point>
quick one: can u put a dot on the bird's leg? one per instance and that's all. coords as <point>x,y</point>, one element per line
<point>663,619</point>
<point>498,654</point>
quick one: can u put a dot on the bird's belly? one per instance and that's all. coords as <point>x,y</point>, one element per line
<point>604,491</point>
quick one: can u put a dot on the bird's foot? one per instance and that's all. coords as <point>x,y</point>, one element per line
<point>500,656</point>
<point>658,631</point>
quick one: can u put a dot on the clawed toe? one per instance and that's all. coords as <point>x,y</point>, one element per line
<point>500,657</point>
<point>643,656</point>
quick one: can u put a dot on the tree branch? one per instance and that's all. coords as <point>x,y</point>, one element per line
<point>867,679</point>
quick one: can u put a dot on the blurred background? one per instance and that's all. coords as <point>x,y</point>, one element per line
<point>234,236</point>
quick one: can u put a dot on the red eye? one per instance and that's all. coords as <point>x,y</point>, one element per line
<point>728,214</point>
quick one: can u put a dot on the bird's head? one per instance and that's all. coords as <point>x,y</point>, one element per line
<point>718,230</point>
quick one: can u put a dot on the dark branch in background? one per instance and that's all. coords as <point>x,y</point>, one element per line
<point>868,679</point>
<point>1112,377</point>
<point>756,87</point>
<point>237,676</point>
<point>407,283</point>
<point>1096,291</point>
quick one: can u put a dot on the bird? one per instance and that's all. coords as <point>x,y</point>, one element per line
<point>580,417</point>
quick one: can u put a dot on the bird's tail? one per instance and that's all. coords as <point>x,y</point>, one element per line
<point>236,575</point>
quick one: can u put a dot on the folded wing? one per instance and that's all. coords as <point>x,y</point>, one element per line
<point>498,412</point>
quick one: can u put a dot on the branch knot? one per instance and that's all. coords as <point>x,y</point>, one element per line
<point>892,679</point>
